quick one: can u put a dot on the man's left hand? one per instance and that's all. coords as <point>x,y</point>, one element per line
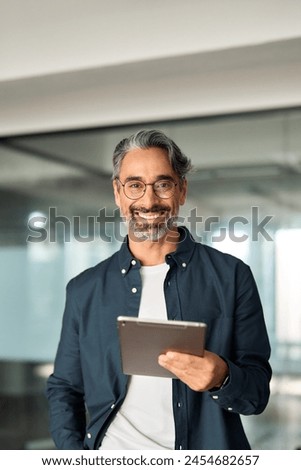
<point>199,373</point>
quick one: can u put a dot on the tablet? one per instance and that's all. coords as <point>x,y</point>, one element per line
<point>143,340</point>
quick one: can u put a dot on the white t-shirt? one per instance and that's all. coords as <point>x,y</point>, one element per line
<point>145,420</point>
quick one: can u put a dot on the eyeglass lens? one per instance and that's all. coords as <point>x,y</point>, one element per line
<point>162,188</point>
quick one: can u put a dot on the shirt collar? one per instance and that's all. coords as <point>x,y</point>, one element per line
<point>181,256</point>
<point>185,249</point>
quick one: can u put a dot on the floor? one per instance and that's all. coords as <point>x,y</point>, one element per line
<point>24,413</point>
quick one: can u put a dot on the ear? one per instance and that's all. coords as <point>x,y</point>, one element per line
<point>183,192</point>
<point>116,188</point>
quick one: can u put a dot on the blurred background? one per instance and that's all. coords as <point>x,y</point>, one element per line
<point>221,78</point>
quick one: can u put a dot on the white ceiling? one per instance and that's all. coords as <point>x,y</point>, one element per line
<point>44,38</point>
<point>74,64</point>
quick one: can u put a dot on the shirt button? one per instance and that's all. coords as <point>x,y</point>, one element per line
<point>89,435</point>
<point>184,265</point>
<point>179,405</point>
<point>123,271</point>
<point>215,397</point>
<point>112,406</point>
<point>134,290</point>
<point>229,408</point>
<point>133,262</point>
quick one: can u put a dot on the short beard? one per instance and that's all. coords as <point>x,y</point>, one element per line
<point>151,232</point>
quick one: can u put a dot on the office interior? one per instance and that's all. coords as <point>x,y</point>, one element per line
<point>233,107</point>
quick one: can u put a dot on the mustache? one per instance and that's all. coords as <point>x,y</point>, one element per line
<point>152,209</point>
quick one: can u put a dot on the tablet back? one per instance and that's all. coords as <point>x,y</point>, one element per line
<point>142,341</point>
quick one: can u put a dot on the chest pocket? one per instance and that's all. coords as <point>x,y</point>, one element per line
<point>204,304</point>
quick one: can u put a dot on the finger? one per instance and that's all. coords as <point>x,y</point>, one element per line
<point>173,359</point>
<point>181,372</point>
<point>183,361</point>
<point>182,365</point>
<point>169,364</point>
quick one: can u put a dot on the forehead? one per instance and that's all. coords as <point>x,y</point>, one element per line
<point>150,162</point>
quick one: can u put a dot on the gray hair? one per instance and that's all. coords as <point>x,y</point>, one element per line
<point>145,139</point>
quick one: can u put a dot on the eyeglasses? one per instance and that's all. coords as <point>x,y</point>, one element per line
<point>135,189</point>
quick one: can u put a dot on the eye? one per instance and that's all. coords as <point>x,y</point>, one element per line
<point>163,185</point>
<point>134,185</point>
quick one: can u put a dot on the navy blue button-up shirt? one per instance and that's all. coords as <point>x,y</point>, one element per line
<point>88,387</point>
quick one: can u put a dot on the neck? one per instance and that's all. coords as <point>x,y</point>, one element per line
<point>151,253</point>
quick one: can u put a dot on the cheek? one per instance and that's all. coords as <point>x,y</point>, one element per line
<point>124,208</point>
<point>120,202</point>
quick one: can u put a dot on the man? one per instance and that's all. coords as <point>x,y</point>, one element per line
<point>159,272</point>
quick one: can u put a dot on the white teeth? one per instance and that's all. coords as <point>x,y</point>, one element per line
<point>148,216</point>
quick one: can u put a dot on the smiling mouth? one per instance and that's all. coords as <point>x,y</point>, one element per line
<point>151,223</point>
<point>150,213</point>
<point>149,216</point>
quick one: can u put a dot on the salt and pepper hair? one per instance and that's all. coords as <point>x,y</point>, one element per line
<point>145,139</point>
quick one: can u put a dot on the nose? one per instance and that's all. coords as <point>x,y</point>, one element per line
<point>149,197</point>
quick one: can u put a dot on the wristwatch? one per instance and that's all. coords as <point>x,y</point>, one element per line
<point>216,389</point>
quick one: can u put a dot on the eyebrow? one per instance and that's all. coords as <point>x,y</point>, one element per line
<point>158,178</point>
